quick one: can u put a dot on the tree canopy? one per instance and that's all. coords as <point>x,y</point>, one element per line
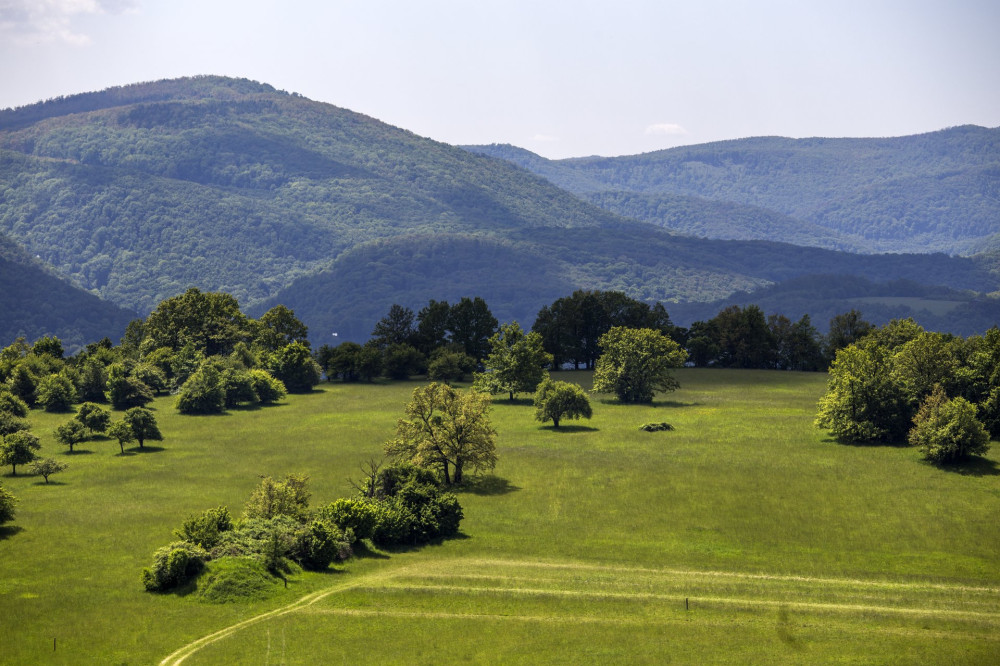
<point>636,363</point>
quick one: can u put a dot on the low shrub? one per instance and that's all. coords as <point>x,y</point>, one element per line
<point>174,565</point>
<point>656,427</point>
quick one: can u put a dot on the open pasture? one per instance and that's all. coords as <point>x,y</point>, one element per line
<point>744,535</point>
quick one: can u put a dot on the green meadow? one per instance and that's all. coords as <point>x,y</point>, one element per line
<point>745,535</point>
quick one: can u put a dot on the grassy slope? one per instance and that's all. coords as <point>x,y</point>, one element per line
<point>587,535</point>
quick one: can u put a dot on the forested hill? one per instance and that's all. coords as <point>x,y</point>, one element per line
<point>142,191</point>
<point>34,303</point>
<point>935,192</point>
<point>139,192</point>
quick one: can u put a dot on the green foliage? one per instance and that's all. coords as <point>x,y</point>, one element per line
<point>11,404</point>
<point>143,424</point>
<point>121,431</point>
<point>203,392</point>
<point>46,467</point>
<point>279,498</point>
<point>294,366</point>
<point>450,365</point>
<point>125,391</point>
<point>205,530</point>
<point>355,516</point>
<point>556,400</point>
<point>864,401</point>
<point>279,327</point>
<point>93,417</point>
<point>173,566</point>
<point>211,322</point>
<point>19,449</point>
<point>267,389</point>
<point>7,504</point>
<point>238,387</point>
<point>23,384</point>
<point>516,362</point>
<point>947,430</point>
<point>70,434</point>
<point>636,363</point>
<point>9,424</point>
<point>446,430</point>
<point>402,360</point>
<point>93,381</point>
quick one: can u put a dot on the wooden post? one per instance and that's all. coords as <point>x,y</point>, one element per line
<point>686,607</point>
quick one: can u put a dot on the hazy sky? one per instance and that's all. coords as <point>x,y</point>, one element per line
<point>561,78</point>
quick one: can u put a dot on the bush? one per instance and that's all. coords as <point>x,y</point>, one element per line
<point>206,529</point>
<point>11,404</point>
<point>293,364</point>
<point>7,503</point>
<point>656,427</point>
<point>125,391</point>
<point>55,393</point>
<point>173,566</point>
<point>267,388</point>
<point>448,365</point>
<point>947,430</point>
<point>356,517</point>
<point>237,385</point>
<point>316,545</point>
<point>202,393</point>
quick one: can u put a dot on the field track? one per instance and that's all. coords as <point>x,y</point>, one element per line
<point>529,591</point>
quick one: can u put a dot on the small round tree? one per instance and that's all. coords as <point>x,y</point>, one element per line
<point>10,423</point>
<point>203,392</point>
<point>46,467</point>
<point>19,449</point>
<point>94,417</point>
<point>947,430</point>
<point>121,431</point>
<point>558,400</point>
<point>70,434</point>
<point>143,424</point>
<point>11,404</point>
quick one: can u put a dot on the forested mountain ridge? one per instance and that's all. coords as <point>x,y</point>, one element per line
<point>34,302</point>
<point>139,192</point>
<point>938,191</point>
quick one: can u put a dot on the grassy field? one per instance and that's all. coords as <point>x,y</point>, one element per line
<point>743,536</point>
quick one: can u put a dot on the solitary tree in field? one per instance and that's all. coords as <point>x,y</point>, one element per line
<point>516,362</point>
<point>71,433</point>
<point>947,430</point>
<point>448,430</point>
<point>46,467</point>
<point>636,363</point>
<point>143,424</point>
<point>19,449</point>
<point>555,401</point>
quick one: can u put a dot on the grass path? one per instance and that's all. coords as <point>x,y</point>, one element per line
<point>523,590</point>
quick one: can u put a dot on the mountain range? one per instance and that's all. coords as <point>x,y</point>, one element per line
<point>135,193</point>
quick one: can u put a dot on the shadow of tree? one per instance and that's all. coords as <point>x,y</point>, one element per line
<point>145,449</point>
<point>7,531</point>
<point>972,466</point>
<point>486,485</point>
<point>569,428</point>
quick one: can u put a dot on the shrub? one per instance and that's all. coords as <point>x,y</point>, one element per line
<point>11,404</point>
<point>268,389</point>
<point>449,365</point>
<point>173,565</point>
<point>947,430</point>
<point>656,427</point>
<point>55,393</point>
<point>237,386</point>
<point>7,502</point>
<point>355,517</point>
<point>203,392</point>
<point>206,530</point>
<point>317,544</point>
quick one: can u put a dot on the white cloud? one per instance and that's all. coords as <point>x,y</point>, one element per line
<point>52,20</point>
<point>666,129</point>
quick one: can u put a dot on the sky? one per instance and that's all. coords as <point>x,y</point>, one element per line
<point>561,78</point>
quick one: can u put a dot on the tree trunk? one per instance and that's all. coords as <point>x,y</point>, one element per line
<point>555,421</point>
<point>512,396</point>
<point>458,472</point>
<point>447,478</point>
<point>122,445</point>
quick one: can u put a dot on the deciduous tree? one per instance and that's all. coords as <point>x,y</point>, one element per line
<point>19,449</point>
<point>143,424</point>
<point>947,430</point>
<point>70,434</point>
<point>636,363</point>
<point>556,400</point>
<point>94,417</point>
<point>46,467</point>
<point>516,362</point>
<point>448,430</point>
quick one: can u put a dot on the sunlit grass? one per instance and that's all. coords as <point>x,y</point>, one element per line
<point>581,548</point>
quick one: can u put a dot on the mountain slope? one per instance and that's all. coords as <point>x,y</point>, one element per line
<point>35,303</point>
<point>140,192</point>
<point>931,192</point>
